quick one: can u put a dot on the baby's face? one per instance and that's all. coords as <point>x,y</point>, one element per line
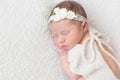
<point>66,34</point>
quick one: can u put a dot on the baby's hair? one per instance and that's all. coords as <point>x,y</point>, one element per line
<point>73,6</point>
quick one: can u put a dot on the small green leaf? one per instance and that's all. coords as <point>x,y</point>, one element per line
<point>52,13</point>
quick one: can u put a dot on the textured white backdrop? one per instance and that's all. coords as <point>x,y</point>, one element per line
<point>26,49</point>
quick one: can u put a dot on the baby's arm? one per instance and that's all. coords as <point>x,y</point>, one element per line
<point>65,64</point>
<point>111,63</point>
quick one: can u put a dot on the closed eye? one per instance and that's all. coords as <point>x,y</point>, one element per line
<point>65,32</point>
<point>54,35</point>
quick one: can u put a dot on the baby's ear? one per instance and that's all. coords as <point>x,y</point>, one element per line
<point>85,26</point>
<point>84,23</point>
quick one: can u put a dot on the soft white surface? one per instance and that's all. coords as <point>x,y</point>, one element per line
<point>26,49</point>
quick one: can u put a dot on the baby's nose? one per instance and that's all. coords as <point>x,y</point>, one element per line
<point>61,39</point>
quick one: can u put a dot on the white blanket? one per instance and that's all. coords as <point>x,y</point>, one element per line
<point>26,48</point>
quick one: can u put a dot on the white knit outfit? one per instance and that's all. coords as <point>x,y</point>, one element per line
<point>86,60</point>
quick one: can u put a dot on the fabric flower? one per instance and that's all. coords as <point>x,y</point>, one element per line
<point>70,15</point>
<point>60,14</point>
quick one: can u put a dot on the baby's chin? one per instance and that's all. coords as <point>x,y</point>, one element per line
<point>70,47</point>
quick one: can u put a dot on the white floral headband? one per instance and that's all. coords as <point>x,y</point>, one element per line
<point>62,13</point>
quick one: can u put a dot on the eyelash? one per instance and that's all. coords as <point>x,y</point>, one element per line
<point>54,35</point>
<point>62,33</point>
<point>65,33</point>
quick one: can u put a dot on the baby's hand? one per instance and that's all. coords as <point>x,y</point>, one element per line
<point>81,78</point>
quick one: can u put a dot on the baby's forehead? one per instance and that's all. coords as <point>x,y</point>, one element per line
<point>64,25</point>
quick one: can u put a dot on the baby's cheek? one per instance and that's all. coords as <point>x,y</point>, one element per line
<point>56,43</point>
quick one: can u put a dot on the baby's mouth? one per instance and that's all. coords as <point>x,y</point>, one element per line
<point>64,47</point>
